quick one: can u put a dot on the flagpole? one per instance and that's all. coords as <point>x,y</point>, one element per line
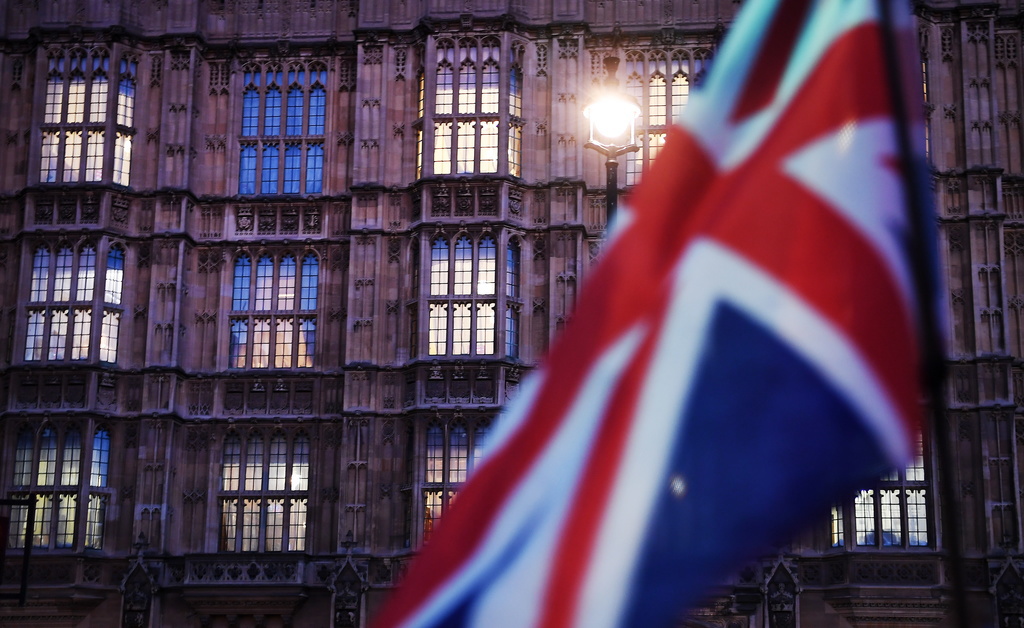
<point>933,369</point>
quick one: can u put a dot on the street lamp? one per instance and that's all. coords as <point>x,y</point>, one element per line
<point>612,116</point>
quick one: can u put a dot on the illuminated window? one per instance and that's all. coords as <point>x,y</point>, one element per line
<point>893,514</point>
<point>65,283</point>
<point>72,137</point>
<point>282,129</point>
<point>273,322</point>
<point>452,452</point>
<point>660,82</point>
<point>49,469</point>
<point>264,493</point>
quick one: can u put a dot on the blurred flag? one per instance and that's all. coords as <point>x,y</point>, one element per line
<point>745,353</point>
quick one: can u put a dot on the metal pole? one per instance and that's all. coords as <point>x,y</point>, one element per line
<point>933,353</point>
<point>611,192</point>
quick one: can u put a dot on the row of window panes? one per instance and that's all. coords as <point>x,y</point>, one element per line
<point>471,327</point>
<point>49,332</point>
<point>66,281</point>
<point>265,471</point>
<point>650,145</point>
<point>66,99</point>
<point>263,524</point>
<point>275,342</point>
<point>70,459</point>
<point>274,287</point>
<point>451,454</point>
<point>72,168</point>
<point>59,529</point>
<point>295,175</point>
<point>451,269</point>
<point>475,149</point>
<point>301,106</point>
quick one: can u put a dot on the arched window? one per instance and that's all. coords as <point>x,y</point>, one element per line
<point>48,469</point>
<point>452,452</point>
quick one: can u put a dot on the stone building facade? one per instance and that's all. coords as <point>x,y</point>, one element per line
<point>271,268</point>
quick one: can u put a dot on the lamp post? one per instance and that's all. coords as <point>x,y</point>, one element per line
<point>612,115</point>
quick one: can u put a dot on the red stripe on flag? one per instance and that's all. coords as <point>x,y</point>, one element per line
<point>773,57</point>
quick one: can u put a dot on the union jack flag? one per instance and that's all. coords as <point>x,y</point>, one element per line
<point>745,353</point>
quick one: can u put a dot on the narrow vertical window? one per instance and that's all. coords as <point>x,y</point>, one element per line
<point>110,330</point>
<point>467,88</point>
<point>228,524</point>
<point>293,125</point>
<point>261,343</point>
<point>237,343</point>
<point>40,274</point>
<point>62,275</point>
<point>126,102</point>
<point>297,525</point>
<point>100,459</point>
<point>58,333</point>
<point>278,464</point>
<point>439,267</point>
<point>47,469</point>
<point>95,516</point>
<point>657,101</point>
<point>680,94</point>
<point>892,528</point>
<point>299,480</point>
<point>286,283</point>
<point>837,526</point>
<point>515,92</point>
<point>489,146</point>
<point>240,284</point>
<point>438,332</point>
<point>48,158</point>
<point>122,159</point>
<point>94,157</point>
<point>34,336</point>
<point>98,99</point>
<point>435,454</point>
<point>515,150</point>
<point>458,454</point>
<point>250,525</point>
<point>268,177</point>
<point>250,108</point>
<point>23,459</point>
<point>463,266</point>
<point>485,328</point>
<point>490,92</point>
<point>264,283</point>
<point>86,274</point>
<point>76,100</point>
<point>283,344</point>
<point>254,464</point>
<point>247,170</point>
<point>314,169</point>
<point>317,110</point>
<point>275,525</point>
<point>44,514</point>
<point>419,153</point>
<point>511,332</point>
<point>461,326</point>
<point>444,94</point>
<point>272,111</point>
<point>72,156</point>
<point>442,148</point>
<point>80,336</point>
<point>466,155</point>
<point>115,276</point>
<point>67,507</point>
<point>421,92</point>
<point>307,342</point>
<point>864,517</point>
<point>71,458</point>
<point>292,167</point>
<point>479,443</point>
<point>486,266</point>
<point>512,260</point>
<point>231,464</point>
<point>310,277</point>
<point>54,110</point>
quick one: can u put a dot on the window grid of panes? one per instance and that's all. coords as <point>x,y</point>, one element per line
<point>283,119</point>
<point>62,300</point>
<point>894,513</point>
<point>65,475</point>
<point>273,321</point>
<point>467,119</point>
<point>76,124</point>
<point>452,452</point>
<point>660,81</point>
<point>264,485</point>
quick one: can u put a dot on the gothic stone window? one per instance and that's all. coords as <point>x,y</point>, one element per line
<point>282,131</point>
<point>476,112</point>
<point>77,129</point>
<point>65,307</point>
<point>660,82</point>
<point>65,473</point>
<point>453,450</point>
<point>264,492</point>
<point>273,318</point>
<point>893,514</point>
